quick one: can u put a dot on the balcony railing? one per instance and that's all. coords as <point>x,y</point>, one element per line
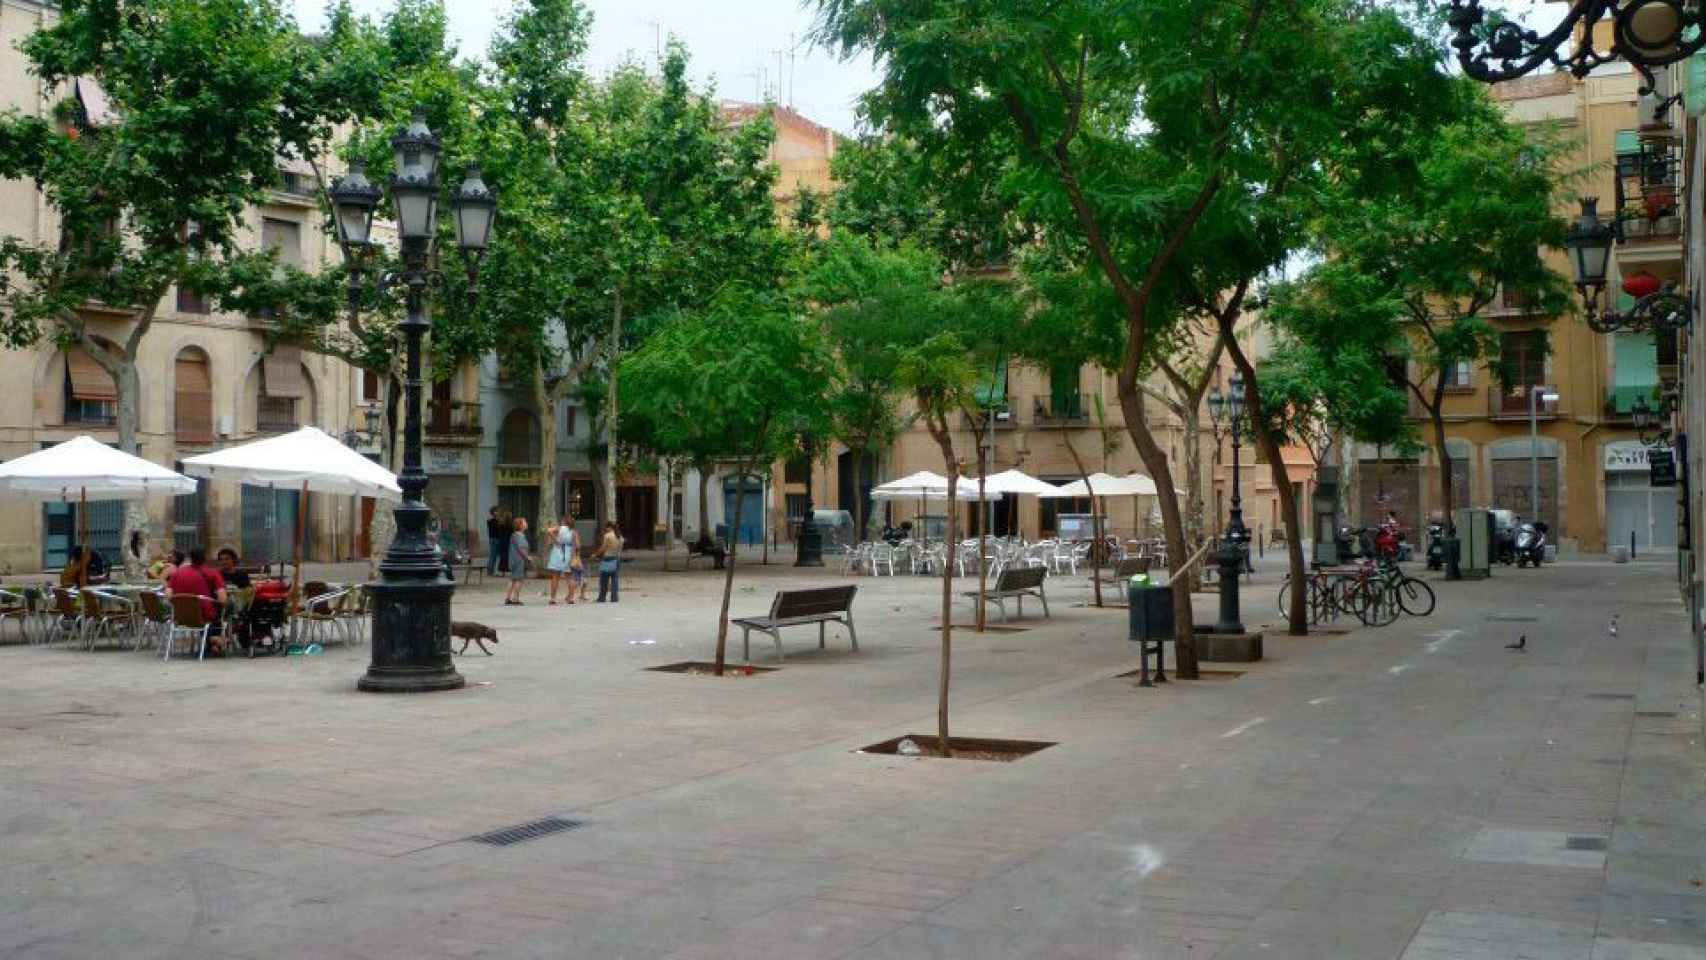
<point>1648,198</point>
<point>456,419</point>
<point>1002,417</point>
<point>1511,403</point>
<point>1620,401</point>
<point>1050,409</point>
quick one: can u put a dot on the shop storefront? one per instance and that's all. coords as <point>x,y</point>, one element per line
<point>1635,510</point>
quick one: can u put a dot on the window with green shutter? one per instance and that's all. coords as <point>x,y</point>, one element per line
<point>1635,359</point>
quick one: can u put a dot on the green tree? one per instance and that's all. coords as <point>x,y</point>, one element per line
<point>1126,121</point>
<point>150,187</point>
<point>744,377</point>
<point>1440,247</point>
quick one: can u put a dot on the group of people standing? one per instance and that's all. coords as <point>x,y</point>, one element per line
<point>566,560</point>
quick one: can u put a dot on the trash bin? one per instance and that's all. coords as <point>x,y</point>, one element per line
<point>1151,610</point>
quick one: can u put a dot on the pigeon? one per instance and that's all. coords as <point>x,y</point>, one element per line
<point>1520,644</point>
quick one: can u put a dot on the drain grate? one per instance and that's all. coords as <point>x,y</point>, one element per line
<point>1611,696</point>
<point>1584,843</point>
<point>1655,713</point>
<point>1507,618</point>
<point>523,832</point>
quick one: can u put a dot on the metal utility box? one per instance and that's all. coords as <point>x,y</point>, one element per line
<point>1326,507</point>
<point>1151,610</point>
<point>1475,542</point>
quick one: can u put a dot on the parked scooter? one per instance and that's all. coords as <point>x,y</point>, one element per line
<point>1436,545</point>
<point>1530,543</point>
<point>1504,536</point>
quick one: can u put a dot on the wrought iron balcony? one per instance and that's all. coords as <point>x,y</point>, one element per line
<point>1648,183</point>
<point>458,420</point>
<point>1050,409</point>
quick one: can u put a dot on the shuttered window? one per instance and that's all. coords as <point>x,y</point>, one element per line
<point>88,380</point>
<point>192,410</point>
<point>282,374</point>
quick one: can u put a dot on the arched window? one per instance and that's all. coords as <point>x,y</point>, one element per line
<point>283,387</point>
<point>192,397</point>
<point>91,396</point>
<point>518,438</point>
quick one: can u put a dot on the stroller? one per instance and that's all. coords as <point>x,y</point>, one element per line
<point>260,628</point>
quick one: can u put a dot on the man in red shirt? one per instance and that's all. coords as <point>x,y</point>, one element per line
<point>196,578</point>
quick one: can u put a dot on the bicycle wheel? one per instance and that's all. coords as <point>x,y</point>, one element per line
<point>1416,597</point>
<point>1382,607</point>
<point>1350,598</point>
<point>1285,598</point>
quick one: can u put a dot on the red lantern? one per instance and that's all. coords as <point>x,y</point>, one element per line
<point>1641,284</point>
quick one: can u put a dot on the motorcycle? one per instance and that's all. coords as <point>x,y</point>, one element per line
<point>1530,543</point>
<point>1436,545</point>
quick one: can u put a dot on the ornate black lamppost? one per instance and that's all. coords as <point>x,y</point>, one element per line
<point>1228,410</point>
<point>1646,33</point>
<point>411,601</point>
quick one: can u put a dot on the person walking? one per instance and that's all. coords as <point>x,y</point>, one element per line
<point>564,546</point>
<point>497,541</point>
<point>520,559</point>
<point>609,558</point>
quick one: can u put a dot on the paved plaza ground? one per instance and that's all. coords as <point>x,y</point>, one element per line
<point>1416,792</point>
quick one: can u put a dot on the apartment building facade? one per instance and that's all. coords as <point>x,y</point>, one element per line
<point>1586,459</point>
<point>207,377</point>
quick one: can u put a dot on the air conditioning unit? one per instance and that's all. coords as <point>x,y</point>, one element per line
<point>224,425</point>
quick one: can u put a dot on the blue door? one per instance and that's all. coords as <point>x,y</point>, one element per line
<point>751,494</point>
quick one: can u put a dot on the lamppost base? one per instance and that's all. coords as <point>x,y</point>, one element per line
<point>808,545</point>
<point>411,638</point>
<point>1231,568</point>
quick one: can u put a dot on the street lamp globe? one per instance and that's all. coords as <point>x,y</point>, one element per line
<point>474,206</point>
<point>355,198</point>
<point>1235,399</point>
<point>1589,242</point>
<point>415,149</point>
<point>1216,405</point>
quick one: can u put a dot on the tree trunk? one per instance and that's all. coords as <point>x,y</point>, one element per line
<point>1155,461</point>
<point>729,574</point>
<point>982,535</point>
<point>668,510</point>
<point>545,400</point>
<point>952,533</point>
<point>1444,472</point>
<point>1297,616</point>
<point>1095,511</point>
<point>704,471</point>
<point>857,457</point>
<point>1196,505</point>
<point>608,475</point>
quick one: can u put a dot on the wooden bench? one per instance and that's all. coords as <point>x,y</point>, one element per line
<point>1128,568</point>
<point>794,607</point>
<point>1016,583</point>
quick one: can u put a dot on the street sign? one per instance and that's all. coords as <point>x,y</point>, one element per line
<point>1662,464</point>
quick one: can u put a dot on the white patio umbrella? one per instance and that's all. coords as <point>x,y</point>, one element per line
<point>1017,482</point>
<point>1103,485</point>
<point>925,485</point>
<point>86,469</point>
<point>307,458</point>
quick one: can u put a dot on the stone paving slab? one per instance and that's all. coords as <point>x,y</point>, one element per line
<point>1403,792</point>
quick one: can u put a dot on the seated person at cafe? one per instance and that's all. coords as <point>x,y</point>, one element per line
<point>228,569</point>
<point>72,575</point>
<point>196,578</point>
<point>165,565</point>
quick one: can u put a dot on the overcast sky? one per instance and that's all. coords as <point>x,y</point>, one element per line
<point>733,42</point>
